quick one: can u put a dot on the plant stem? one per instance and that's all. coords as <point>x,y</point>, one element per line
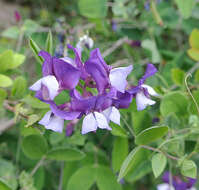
<point>158,150</point>
<point>61,176</point>
<point>37,166</point>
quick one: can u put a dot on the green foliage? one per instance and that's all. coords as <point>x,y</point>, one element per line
<point>3,185</point>
<point>5,81</point>
<point>189,168</point>
<point>26,181</point>
<point>19,87</point>
<point>178,76</point>
<point>174,102</point>
<point>65,154</point>
<point>49,43</point>
<point>93,8</point>
<point>34,146</point>
<point>35,49</point>
<point>151,134</point>
<point>159,162</point>
<point>119,153</point>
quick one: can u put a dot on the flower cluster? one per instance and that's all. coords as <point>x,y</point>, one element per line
<point>177,183</point>
<point>97,91</point>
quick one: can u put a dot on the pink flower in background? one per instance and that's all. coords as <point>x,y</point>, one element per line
<point>17,16</point>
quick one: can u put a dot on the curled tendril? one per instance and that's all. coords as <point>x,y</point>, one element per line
<point>189,91</point>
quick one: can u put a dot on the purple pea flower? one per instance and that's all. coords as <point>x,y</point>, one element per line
<point>177,183</point>
<point>142,91</point>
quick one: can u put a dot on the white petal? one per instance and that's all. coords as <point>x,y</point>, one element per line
<point>45,120</point>
<point>107,113</point>
<point>102,122</point>
<point>69,60</point>
<point>118,77</point>
<point>164,186</point>
<point>89,124</point>
<point>56,124</point>
<point>193,188</point>
<point>36,86</point>
<point>115,115</point>
<point>52,85</point>
<point>142,101</point>
<point>150,90</point>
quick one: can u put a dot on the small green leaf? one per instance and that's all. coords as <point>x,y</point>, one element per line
<point>3,185</point>
<point>151,134</point>
<point>3,95</point>
<point>185,7</point>
<point>18,59</point>
<point>5,81</point>
<point>196,76</point>
<point>93,8</point>
<point>194,54</point>
<point>194,39</point>
<point>189,169</point>
<point>35,49</point>
<point>65,154</point>
<point>159,162</point>
<point>6,59</point>
<point>178,76</point>
<point>135,157</point>
<point>34,146</point>
<point>35,103</point>
<point>29,27</point>
<point>83,178</point>
<point>118,131</point>
<point>119,153</point>
<point>106,179</point>
<point>174,102</point>
<point>151,46</point>
<point>32,119</point>
<point>26,181</point>
<point>19,87</point>
<point>49,43</point>
<point>12,32</point>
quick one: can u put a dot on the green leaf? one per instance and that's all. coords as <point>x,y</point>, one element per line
<point>196,76</point>
<point>194,39</point>
<point>106,179</point>
<point>35,103</point>
<point>174,102</point>
<point>26,181</point>
<point>49,43</point>
<point>32,119</point>
<point>141,120</point>
<point>178,76</point>
<point>135,157</point>
<point>3,185</point>
<point>159,162</point>
<point>151,134</point>
<point>119,153</point>
<point>3,95</point>
<point>6,59</point>
<point>35,49</point>
<point>194,54</point>
<point>5,81</point>
<point>39,178</point>
<point>118,131</point>
<point>189,169</point>
<point>55,138</point>
<point>19,87</point>
<point>93,8</point>
<point>12,32</point>
<point>29,27</point>
<point>34,146</point>
<point>83,178</point>
<point>18,59</point>
<point>151,46</point>
<point>185,7</point>
<point>139,171</point>
<point>65,154</point>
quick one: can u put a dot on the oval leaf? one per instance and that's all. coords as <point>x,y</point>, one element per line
<point>135,157</point>
<point>5,81</point>
<point>34,146</point>
<point>65,154</point>
<point>4,186</point>
<point>159,162</point>
<point>189,169</point>
<point>49,43</point>
<point>151,134</point>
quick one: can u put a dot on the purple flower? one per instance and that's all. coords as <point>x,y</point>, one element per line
<point>96,91</point>
<point>142,91</point>
<point>17,16</point>
<point>177,183</point>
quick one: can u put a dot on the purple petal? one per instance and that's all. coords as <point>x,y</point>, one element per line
<point>150,71</point>
<point>98,73</point>
<point>67,115</point>
<point>165,177</point>
<point>123,100</point>
<point>191,182</point>
<point>67,75</point>
<point>118,77</point>
<point>69,129</point>
<point>47,67</point>
<point>89,124</point>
